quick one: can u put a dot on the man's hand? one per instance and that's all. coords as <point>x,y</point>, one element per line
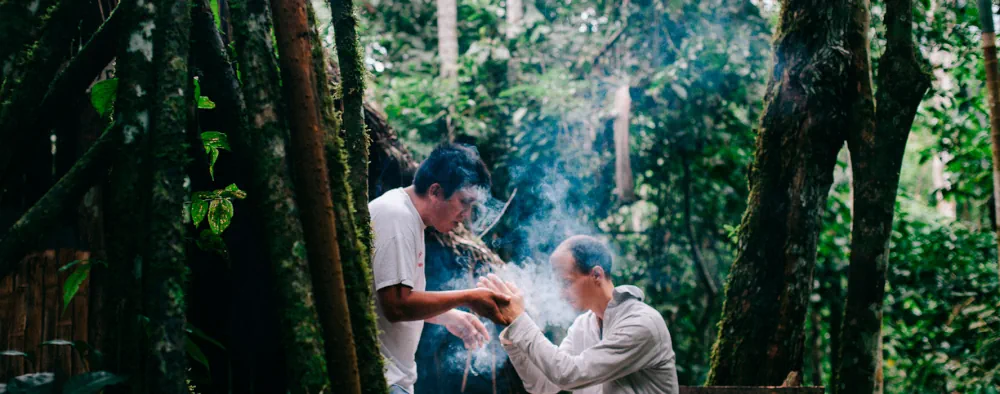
<point>464,325</point>
<point>511,310</point>
<point>488,303</point>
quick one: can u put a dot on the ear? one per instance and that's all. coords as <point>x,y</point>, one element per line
<point>597,272</point>
<point>435,190</point>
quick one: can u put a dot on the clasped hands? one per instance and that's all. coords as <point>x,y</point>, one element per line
<point>495,299</point>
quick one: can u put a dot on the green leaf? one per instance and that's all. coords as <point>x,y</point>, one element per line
<point>215,13</point>
<point>91,382</point>
<point>199,208</point>
<point>220,214</point>
<point>195,352</point>
<point>36,383</point>
<point>201,334</point>
<point>197,87</point>
<point>211,163</point>
<point>102,95</point>
<point>71,264</point>
<point>232,191</point>
<point>73,283</point>
<point>205,103</point>
<point>215,139</point>
<point>15,353</point>
<point>57,342</point>
<point>211,242</point>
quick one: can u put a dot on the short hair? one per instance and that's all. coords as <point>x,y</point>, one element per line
<point>454,167</point>
<point>589,252</point>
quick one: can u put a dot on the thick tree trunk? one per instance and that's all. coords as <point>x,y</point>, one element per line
<point>877,156</point>
<point>313,191</point>
<point>761,334</point>
<point>164,262</point>
<point>993,85</point>
<point>270,192</point>
<point>128,194</point>
<point>347,162</point>
<point>61,198</point>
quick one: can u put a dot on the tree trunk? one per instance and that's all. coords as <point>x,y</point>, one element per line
<point>164,262</point>
<point>624,182</point>
<point>447,24</point>
<point>347,161</point>
<point>877,156</point>
<point>313,191</point>
<point>128,194</point>
<point>761,336</point>
<point>993,85</point>
<point>270,193</point>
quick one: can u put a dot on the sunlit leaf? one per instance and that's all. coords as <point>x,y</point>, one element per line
<point>199,209</point>
<point>102,95</point>
<point>220,214</point>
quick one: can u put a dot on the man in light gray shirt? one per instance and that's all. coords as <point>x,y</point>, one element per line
<point>620,345</point>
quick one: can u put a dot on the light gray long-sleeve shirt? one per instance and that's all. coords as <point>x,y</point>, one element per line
<point>634,355</point>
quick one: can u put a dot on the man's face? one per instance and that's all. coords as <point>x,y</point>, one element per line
<point>577,288</point>
<point>447,213</point>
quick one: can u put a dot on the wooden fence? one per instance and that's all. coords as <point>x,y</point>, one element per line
<point>31,313</point>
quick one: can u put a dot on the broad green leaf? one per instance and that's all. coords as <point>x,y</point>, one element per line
<point>195,352</point>
<point>91,382</point>
<point>72,285</point>
<point>220,214</point>
<point>201,334</point>
<point>199,208</point>
<point>205,103</point>
<point>36,383</point>
<point>197,88</point>
<point>57,342</point>
<point>102,95</point>
<point>215,139</point>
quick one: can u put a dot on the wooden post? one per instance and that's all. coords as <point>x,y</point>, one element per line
<point>993,84</point>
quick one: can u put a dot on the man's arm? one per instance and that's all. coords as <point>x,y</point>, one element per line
<point>630,348</point>
<point>533,378</point>
<point>401,303</point>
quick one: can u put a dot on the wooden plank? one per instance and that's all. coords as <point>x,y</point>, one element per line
<point>750,390</point>
<point>50,279</point>
<point>35,309</point>
<point>16,341</point>
<point>78,308</point>
<point>6,320</point>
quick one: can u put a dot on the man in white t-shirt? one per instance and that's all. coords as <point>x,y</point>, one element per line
<point>445,187</point>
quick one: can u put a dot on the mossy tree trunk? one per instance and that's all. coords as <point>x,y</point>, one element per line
<point>164,262</point>
<point>127,195</point>
<point>761,335</point>
<point>989,38</point>
<point>877,147</point>
<point>270,193</point>
<point>347,159</point>
<point>299,82</point>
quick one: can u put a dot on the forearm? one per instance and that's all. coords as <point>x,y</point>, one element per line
<point>424,305</point>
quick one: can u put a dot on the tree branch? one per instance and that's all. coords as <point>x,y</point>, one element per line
<point>28,231</point>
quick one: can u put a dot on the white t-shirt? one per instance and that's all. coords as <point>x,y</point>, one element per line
<point>398,259</point>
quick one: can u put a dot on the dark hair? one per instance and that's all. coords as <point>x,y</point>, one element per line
<point>589,252</point>
<point>454,167</point>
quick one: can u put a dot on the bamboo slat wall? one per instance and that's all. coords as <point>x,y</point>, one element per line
<point>31,312</point>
